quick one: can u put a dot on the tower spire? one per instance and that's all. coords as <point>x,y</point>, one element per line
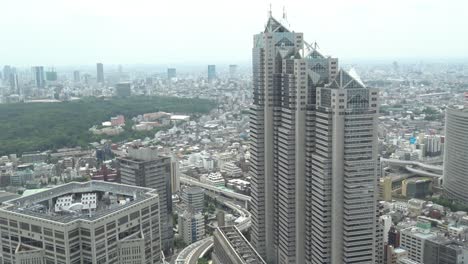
<point>270,12</point>
<point>284,12</point>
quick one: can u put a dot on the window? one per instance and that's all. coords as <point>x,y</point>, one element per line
<point>123,220</point>
<point>24,226</point>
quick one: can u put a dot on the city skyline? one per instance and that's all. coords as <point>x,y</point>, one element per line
<point>130,31</point>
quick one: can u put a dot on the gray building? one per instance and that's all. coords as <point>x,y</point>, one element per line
<point>6,72</point>
<point>194,198</point>
<point>231,247</point>
<point>51,75</point>
<point>211,72</point>
<point>191,226</point>
<point>220,218</point>
<point>145,167</point>
<point>171,73</point>
<point>456,154</point>
<point>76,76</point>
<point>100,73</point>
<point>91,222</point>
<point>123,89</point>
<point>441,250</point>
<point>313,130</point>
<point>233,71</point>
<point>38,72</point>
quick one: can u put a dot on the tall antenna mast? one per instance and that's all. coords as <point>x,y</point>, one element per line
<point>270,12</point>
<point>284,12</point>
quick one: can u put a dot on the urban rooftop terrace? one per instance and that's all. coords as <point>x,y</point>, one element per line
<point>41,204</point>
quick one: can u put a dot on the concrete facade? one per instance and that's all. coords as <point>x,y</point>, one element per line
<point>146,168</point>
<point>125,225</point>
<point>455,180</point>
<point>313,130</point>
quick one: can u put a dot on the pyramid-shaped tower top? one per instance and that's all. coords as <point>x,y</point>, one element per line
<point>275,25</point>
<point>347,80</point>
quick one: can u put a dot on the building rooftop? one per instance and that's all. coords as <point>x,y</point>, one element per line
<point>240,245</point>
<point>108,199</point>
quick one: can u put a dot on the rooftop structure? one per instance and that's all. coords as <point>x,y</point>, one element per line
<point>110,198</point>
<point>91,222</point>
<point>231,247</point>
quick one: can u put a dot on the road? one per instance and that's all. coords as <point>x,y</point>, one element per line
<point>193,252</point>
<point>231,194</point>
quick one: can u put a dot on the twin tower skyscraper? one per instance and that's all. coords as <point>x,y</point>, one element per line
<point>314,154</point>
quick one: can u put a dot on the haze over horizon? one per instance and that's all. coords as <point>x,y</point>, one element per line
<point>57,32</point>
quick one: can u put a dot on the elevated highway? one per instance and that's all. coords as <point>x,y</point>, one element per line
<point>227,193</point>
<point>428,167</point>
<point>193,252</point>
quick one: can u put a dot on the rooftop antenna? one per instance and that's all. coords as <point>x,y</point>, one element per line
<point>270,12</point>
<point>316,45</point>
<point>284,12</point>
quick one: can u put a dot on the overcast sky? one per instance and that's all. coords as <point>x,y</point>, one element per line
<point>68,32</point>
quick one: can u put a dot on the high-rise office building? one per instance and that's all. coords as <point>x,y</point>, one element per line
<point>91,222</point>
<point>171,73</point>
<point>313,130</point>
<point>123,89</point>
<point>38,72</point>
<point>76,76</point>
<point>175,174</point>
<point>456,154</point>
<point>14,84</point>
<point>100,73</point>
<point>6,73</point>
<point>233,71</point>
<point>194,198</point>
<point>145,167</point>
<point>211,72</point>
<point>51,75</point>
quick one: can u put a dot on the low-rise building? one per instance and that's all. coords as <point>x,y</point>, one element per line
<point>231,247</point>
<point>214,179</point>
<point>191,226</point>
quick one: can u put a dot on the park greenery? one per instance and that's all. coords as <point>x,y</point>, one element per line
<point>453,205</point>
<point>48,126</point>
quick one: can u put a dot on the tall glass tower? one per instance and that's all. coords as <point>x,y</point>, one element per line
<point>100,73</point>
<point>456,154</point>
<point>313,133</point>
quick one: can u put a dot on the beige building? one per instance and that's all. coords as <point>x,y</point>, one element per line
<point>123,227</point>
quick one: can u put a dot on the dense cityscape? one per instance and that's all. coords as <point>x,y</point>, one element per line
<point>296,158</point>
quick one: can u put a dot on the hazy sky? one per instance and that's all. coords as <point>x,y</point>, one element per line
<point>67,32</point>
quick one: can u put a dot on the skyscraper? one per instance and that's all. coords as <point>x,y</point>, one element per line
<point>51,75</point>
<point>38,72</point>
<point>76,76</point>
<point>456,154</point>
<point>6,73</point>
<point>146,168</point>
<point>313,151</point>
<point>171,73</point>
<point>14,84</point>
<point>100,73</point>
<point>233,71</point>
<point>123,89</point>
<point>211,72</point>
